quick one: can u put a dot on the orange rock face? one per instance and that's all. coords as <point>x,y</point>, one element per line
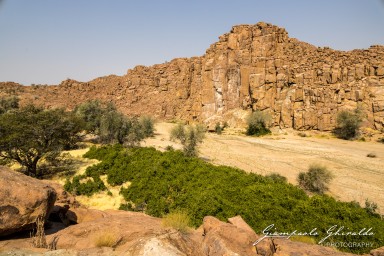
<point>252,67</point>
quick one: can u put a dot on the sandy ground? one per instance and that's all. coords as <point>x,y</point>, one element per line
<point>356,176</point>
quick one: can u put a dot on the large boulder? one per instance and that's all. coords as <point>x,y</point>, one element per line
<point>22,200</point>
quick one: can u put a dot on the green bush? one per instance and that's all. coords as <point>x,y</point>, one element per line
<point>189,137</point>
<point>316,179</point>
<point>258,123</point>
<point>112,126</point>
<point>163,182</point>
<point>148,126</point>
<point>348,124</point>
<point>8,103</point>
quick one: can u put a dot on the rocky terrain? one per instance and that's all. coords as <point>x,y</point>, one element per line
<point>252,67</point>
<point>113,232</point>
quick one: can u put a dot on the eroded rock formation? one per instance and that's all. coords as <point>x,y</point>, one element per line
<point>252,67</point>
<point>22,200</point>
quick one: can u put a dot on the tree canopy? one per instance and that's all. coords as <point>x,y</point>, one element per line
<point>31,133</point>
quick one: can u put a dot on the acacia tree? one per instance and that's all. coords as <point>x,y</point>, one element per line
<point>29,134</point>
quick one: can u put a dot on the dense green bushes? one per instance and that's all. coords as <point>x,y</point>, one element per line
<point>164,182</point>
<point>112,126</point>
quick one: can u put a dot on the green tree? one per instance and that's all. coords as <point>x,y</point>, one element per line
<point>29,134</point>
<point>258,123</point>
<point>147,123</point>
<point>348,123</point>
<point>189,137</point>
<point>8,103</point>
<point>115,127</point>
<point>91,112</point>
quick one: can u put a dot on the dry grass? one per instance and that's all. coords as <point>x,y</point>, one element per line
<point>178,220</point>
<point>106,239</point>
<point>303,239</point>
<point>104,200</point>
<point>38,239</point>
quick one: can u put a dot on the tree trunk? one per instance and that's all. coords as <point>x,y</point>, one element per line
<point>32,167</point>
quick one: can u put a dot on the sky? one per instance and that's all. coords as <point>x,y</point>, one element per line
<point>48,41</point>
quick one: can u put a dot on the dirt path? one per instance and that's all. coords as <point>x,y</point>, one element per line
<point>357,177</point>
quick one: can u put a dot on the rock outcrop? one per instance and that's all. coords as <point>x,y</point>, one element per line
<point>252,67</point>
<point>22,200</point>
<point>135,234</point>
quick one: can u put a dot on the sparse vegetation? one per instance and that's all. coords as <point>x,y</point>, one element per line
<point>189,137</point>
<point>371,207</point>
<point>277,177</point>
<point>258,123</point>
<point>164,182</point>
<point>106,239</point>
<point>371,155</point>
<point>178,220</point>
<point>219,127</point>
<point>38,239</point>
<point>303,239</point>
<point>348,124</point>
<point>316,180</point>
<point>302,134</point>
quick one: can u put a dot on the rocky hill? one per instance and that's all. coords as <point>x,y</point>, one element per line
<point>252,67</point>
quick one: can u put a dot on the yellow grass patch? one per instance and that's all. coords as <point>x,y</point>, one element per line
<point>178,220</point>
<point>106,239</point>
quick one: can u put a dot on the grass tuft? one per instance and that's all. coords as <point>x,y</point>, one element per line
<point>178,220</point>
<point>106,239</point>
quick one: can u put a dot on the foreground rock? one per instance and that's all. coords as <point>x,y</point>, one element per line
<point>137,234</point>
<point>22,200</point>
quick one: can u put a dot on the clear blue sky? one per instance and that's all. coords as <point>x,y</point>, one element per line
<point>47,41</point>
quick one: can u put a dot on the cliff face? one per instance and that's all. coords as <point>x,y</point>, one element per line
<point>252,67</point>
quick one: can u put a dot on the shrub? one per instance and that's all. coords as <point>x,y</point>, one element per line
<point>348,124</point>
<point>164,182</point>
<point>276,177</point>
<point>90,112</point>
<point>39,239</point>
<point>106,239</point>
<point>258,123</point>
<point>178,220</point>
<point>370,206</point>
<point>381,140</point>
<point>302,134</point>
<point>148,126</point>
<point>8,104</point>
<point>371,155</point>
<point>316,179</point>
<point>218,128</point>
<point>169,148</point>
<point>189,136</point>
